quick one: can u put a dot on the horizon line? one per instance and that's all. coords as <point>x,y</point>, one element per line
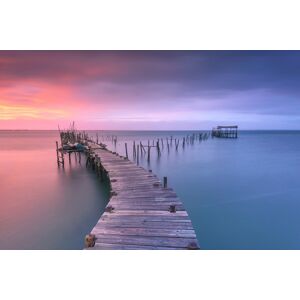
<point>244,129</point>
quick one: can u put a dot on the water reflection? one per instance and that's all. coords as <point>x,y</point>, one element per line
<point>44,206</point>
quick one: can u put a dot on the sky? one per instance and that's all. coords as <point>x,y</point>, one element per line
<point>149,90</point>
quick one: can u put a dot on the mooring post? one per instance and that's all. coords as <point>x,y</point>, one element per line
<point>134,149</point>
<point>57,153</point>
<point>126,150</point>
<point>138,153</point>
<point>88,159</point>
<point>141,146</point>
<point>149,148</point>
<point>165,182</point>
<point>157,146</point>
<point>90,240</point>
<point>62,158</point>
<point>172,208</point>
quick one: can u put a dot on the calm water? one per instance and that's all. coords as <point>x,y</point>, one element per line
<point>240,194</point>
<point>43,206</point>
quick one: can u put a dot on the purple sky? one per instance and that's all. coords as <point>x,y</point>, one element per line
<point>150,89</point>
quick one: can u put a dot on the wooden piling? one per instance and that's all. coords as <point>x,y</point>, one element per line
<point>165,182</point>
<point>126,150</point>
<point>57,153</point>
<point>60,156</point>
<point>158,148</point>
<point>177,144</point>
<point>149,149</point>
<point>141,147</point>
<point>134,149</point>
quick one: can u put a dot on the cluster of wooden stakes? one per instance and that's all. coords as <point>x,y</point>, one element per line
<point>139,149</point>
<point>159,144</point>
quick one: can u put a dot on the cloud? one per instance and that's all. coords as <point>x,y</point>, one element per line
<point>175,86</point>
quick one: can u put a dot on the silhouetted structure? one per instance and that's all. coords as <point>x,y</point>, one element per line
<point>225,132</point>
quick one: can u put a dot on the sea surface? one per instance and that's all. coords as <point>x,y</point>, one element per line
<point>43,206</point>
<point>240,193</point>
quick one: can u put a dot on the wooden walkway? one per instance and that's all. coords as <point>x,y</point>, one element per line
<point>138,215</point>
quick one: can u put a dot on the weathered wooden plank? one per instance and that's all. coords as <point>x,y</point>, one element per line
<point>144,232</point>
<point>142,241</point>
<point>106,246</point>
<point>154,225</point>
<point>140,218</point>
<point>146,218</point>
<point>146,213</point>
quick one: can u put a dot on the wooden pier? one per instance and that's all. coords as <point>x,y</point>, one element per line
<point>142,212</point>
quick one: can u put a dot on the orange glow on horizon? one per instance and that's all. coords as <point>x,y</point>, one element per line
<point>36,101</point>
<point>14,112</point>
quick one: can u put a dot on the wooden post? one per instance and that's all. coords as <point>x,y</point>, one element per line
<point>149,148</point>
<point>177,144</point>
<point>62,158</point>
<point>126,150</point>
<point>57,153</point>
<point>88,159</point>
<point>172,209</point>
<point>141,146</point>
<point>62,161</point>
<point>134,149</point>
<point>138,153</point>
<point>101,172</point>
<point>165,182</point>
<point>90,240</point>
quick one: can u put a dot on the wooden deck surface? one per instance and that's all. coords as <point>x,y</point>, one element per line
<point>140,218</point>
